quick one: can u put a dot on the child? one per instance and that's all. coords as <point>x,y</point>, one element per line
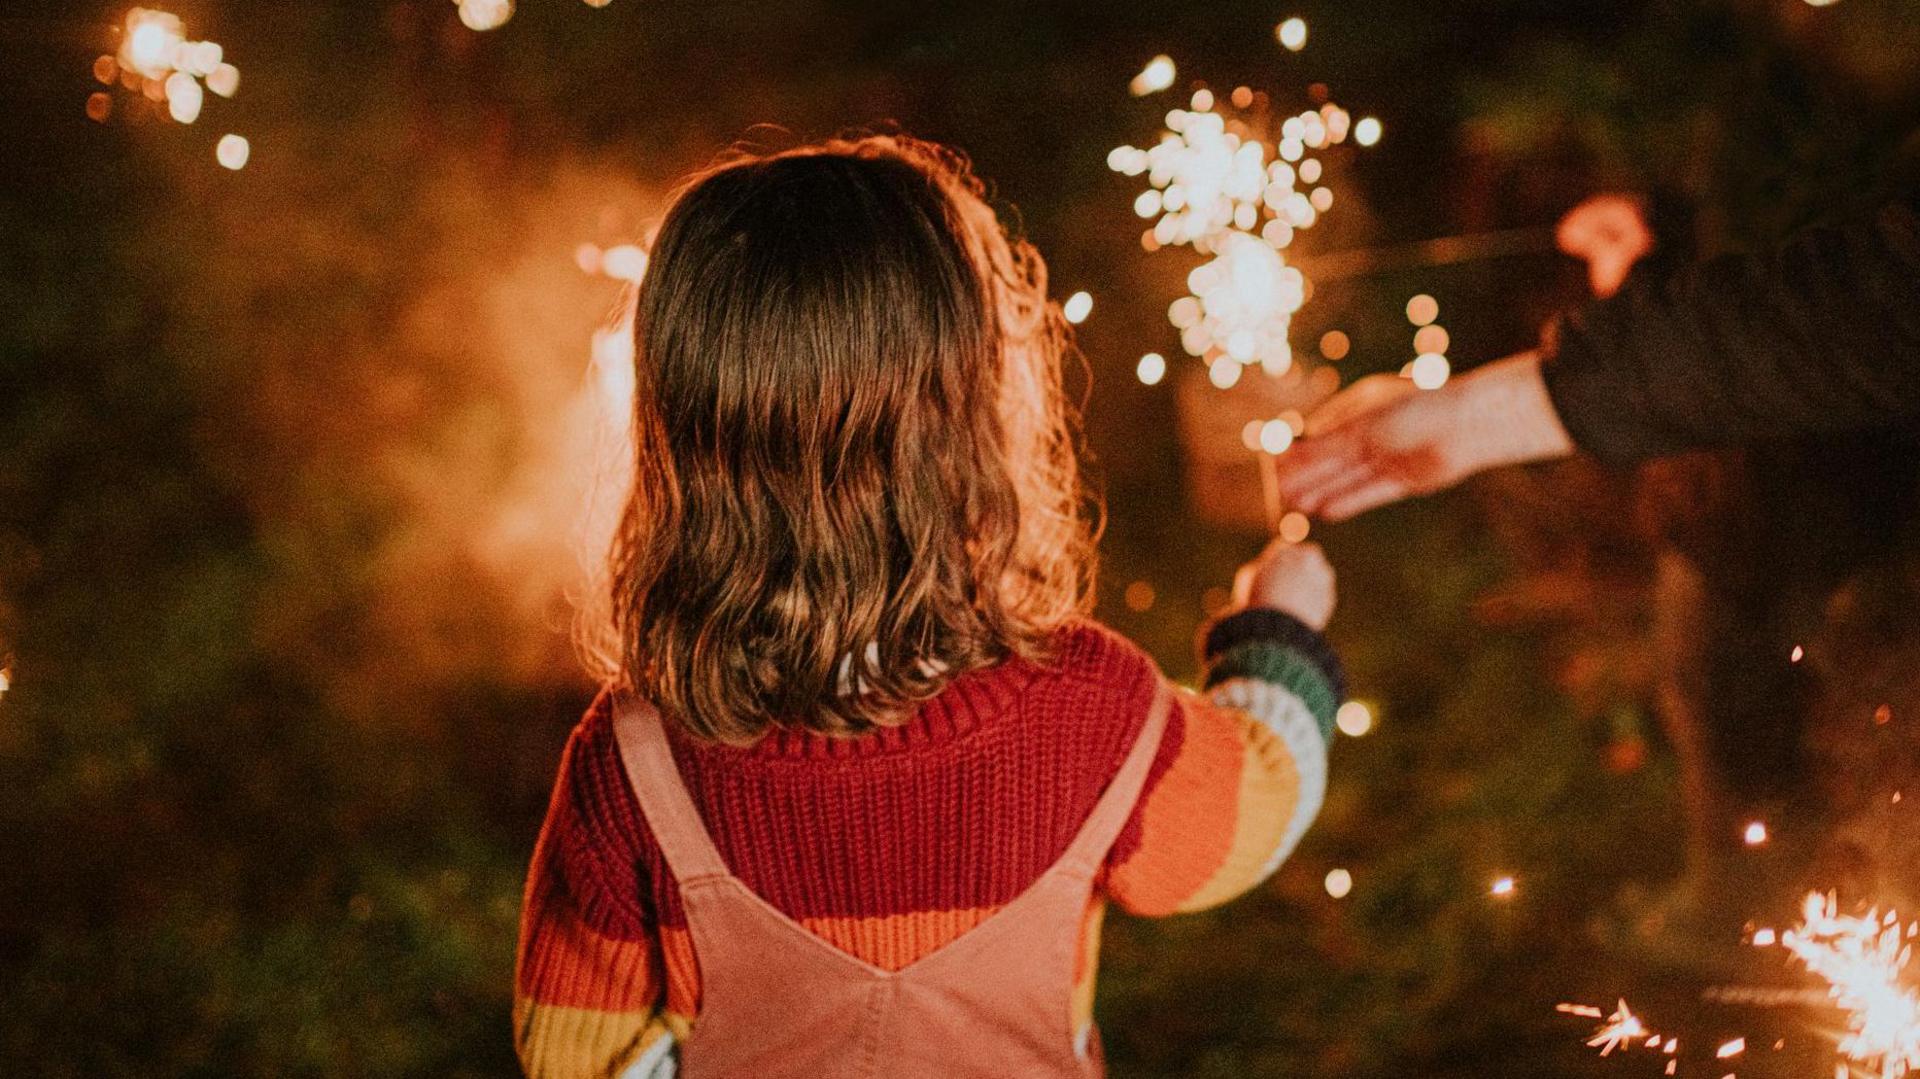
<point>866,779</point>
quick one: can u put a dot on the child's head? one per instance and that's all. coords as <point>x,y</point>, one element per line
<point>855,473</point>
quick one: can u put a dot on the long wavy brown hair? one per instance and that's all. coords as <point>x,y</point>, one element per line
<point>855,467</point>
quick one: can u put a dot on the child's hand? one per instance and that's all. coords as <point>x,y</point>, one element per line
<point>1294,577</point>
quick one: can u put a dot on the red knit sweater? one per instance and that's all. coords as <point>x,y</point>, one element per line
<point>892,844</point>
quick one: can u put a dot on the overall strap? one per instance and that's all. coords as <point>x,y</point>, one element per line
<point>656,782</point>
<point>1110,813</point>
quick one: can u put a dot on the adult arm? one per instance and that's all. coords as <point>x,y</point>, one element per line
<point>1821,335</point>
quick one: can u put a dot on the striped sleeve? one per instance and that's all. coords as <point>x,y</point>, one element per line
<point>587,998</point>
<point>1248,768</point>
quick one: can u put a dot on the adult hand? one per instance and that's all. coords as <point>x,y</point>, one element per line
<point>1381,439</point>
<point>1292,577</point>
<point>1609,233</point>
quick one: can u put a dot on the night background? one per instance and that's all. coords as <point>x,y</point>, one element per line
<point>293,458</point>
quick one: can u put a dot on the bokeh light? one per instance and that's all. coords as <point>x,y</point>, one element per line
<point>1354,719</point>
<point>1339,882</point>
<point>232,152</point>
<point>1155,77</point>
<point>1430,371</point>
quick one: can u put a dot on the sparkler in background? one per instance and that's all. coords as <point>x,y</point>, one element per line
<point>1864,960</point>
<point>158,62</point>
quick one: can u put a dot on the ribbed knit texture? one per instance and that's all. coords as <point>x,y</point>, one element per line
<point>891,845</point>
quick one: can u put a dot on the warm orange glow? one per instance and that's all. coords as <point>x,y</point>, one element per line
<point>1422,309</point>
<point>1139,596</point>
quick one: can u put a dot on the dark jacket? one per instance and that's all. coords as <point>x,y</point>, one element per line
<point>1819,336</point>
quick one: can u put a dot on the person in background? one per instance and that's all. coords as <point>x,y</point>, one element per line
<point>865,777</point>
<point>1819,336</point>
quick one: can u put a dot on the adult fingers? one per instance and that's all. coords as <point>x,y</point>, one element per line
<point>1330,485</point>
<point>1367,496</point>
<point>1311,463</point>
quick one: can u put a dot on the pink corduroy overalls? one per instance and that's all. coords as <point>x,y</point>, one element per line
<point>778,1001</point>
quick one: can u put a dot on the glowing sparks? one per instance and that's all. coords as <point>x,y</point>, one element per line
<point>1292,34</point>
<point>152,43</point>
<point>6,680</point>
<point>1755,833</point>
<point>184,97</point>
<point>1731,1049</point>
<point>1367,131</point>
<point>1339,883</point>
<point>1354,719</point>
<point>1078,307</point>
<point>1620,1030</point>
<point>1234,183</point>
<point>1155,77</point>
<point>1864,961</point>
<point>1151,369</point>
<point>1502,888</point>
<point>1797,654</point>
<point>157,62</point>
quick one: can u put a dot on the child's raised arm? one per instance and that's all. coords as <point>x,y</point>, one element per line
<point>1248,762</point>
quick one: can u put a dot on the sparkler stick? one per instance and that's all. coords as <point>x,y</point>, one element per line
<point>1270,488</point>
<point>1440,251</point>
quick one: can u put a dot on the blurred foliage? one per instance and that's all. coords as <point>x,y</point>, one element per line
<point>284,714</point>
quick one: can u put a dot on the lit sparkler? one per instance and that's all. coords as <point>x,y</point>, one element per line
<point>1864,961</point>
<point>1235,187</point>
